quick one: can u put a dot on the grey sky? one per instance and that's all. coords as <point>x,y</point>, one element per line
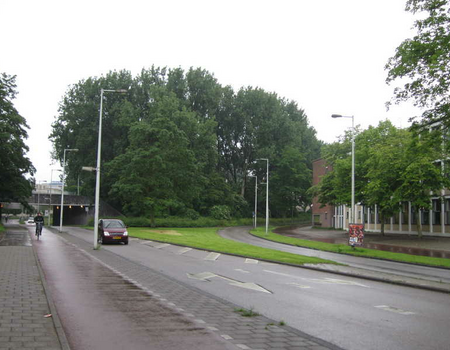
<point>327,55</point>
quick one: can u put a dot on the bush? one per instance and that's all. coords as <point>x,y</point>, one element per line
<point>176,221</point>
<point>220,212</point>
<point>192,214</point>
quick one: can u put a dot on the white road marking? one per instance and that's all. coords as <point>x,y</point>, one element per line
<point>240,270</point>
<point>203,276</point>
<point>226,336</point>
<point>394,309</point>
<point>320,280</point>
<point>212,256</point>
<point>301,286</point>
<point>251,261</point>
<point>206,276</point>
<point>162,245</point>
<point>146,242</point>
<point>184,250</point>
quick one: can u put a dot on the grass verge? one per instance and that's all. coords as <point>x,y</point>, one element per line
<point>208,239</point>
<point>345,249</point>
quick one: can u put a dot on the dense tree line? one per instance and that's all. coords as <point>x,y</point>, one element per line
<point>179,143</point>
<point>392,165</point>
<point>16,170</point>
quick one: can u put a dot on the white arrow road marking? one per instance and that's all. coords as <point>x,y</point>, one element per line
<point>205,276</point>
<point>212,256</point>
<point>184,250</point>
<point>394,309</point>
<point>319,280</point>
<point>251,261</point>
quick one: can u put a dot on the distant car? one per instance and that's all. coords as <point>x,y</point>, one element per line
<point>30,221</point>
<point>112,230</point>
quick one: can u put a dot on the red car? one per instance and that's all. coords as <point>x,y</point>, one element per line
<point>112,230</point>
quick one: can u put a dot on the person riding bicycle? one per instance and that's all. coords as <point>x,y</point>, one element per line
<point>39,220</point>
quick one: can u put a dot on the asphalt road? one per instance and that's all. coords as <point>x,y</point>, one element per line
<point>349,312</point>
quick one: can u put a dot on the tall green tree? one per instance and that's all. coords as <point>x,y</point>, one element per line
<point>422,173</point>
<point>424,61</point>
<point>14,164</point>
<point>385,165</point>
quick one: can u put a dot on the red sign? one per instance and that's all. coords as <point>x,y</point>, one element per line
<point>356,234</point>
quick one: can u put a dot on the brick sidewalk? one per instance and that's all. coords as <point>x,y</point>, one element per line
<point>23,303</point>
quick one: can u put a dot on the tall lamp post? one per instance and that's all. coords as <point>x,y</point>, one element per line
<point>256,199</point>
<point>62,187</point>
<point>50,210</point>
<point>353,216</point>
<point>99,152</point>
<point>267,194</point>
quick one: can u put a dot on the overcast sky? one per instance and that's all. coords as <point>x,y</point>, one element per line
<point>326,55</point>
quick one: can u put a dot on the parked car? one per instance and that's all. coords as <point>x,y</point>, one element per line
<point>30,221</point>
<point>112,230</point>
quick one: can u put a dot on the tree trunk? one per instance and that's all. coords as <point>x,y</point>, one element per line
<point>419,224</point>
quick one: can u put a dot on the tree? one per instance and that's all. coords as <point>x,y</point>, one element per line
<point>392,166</point>
<point>14,164</point>
<point>424,61</point>
<point>220,133</point>
<point>158,173</point>
<point>422,172</point>
<point>385,164</point>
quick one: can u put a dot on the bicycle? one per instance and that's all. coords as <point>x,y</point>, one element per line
<point>38,229</point>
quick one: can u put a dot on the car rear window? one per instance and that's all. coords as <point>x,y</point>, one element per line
<point>114,224</point>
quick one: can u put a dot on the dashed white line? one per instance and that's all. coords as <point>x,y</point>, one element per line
<point>212,256</point>
<point>184,250</point>
<point>251,261</point>
<point>395,310</point>
<point>160,246</point>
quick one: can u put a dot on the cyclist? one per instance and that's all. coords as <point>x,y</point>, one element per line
<point>39,220</point>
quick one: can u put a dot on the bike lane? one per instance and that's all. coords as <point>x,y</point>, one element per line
<point>100,309</point>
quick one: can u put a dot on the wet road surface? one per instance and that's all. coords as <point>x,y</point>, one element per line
<point>100,310</point>
<point>17,235</point>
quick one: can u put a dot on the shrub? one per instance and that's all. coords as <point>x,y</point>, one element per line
<point>220,212</point>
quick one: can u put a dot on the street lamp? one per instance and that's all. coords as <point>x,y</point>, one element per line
<point>62,187</point>
<point>267,194</point>
<point>38,193</point>
<point>99,150</point>
<point>353,216</point>
<point>256,199</point>
<point>51,186</point>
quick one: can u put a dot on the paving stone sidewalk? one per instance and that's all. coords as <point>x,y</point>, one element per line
<point>23,303</point>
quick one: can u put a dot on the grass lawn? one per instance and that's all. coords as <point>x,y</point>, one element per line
<point>345,249</point>
<point>208,239</point>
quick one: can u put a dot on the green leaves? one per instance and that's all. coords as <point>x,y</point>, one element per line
<point>180,143</point>
<point>424,61</point>
<point>14,165</point>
